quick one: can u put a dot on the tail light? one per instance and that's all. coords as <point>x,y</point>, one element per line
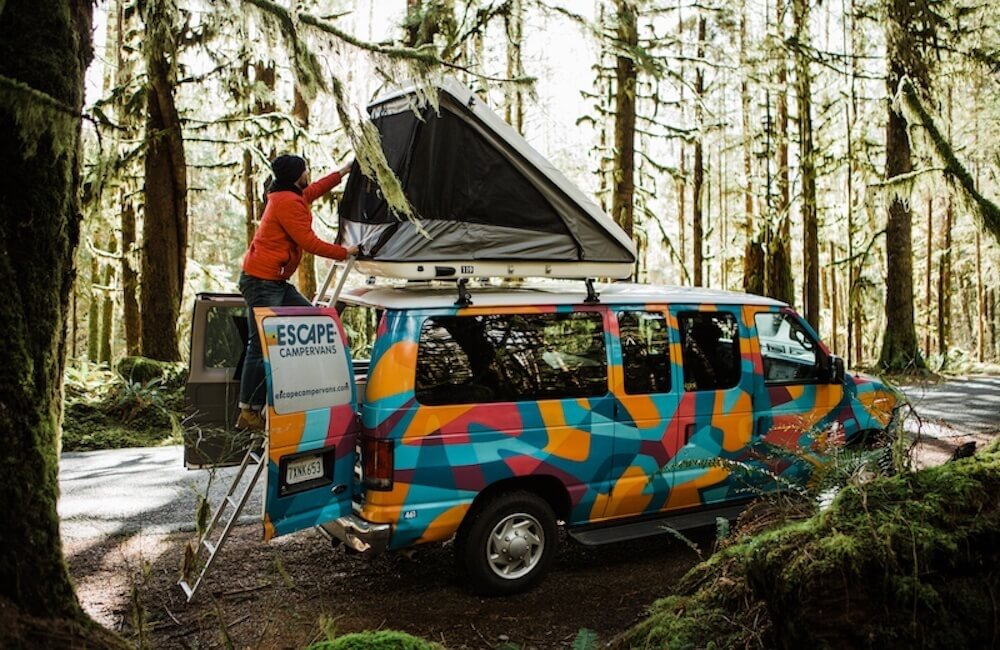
<point>377,456</point>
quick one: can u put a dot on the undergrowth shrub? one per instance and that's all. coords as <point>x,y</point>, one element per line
<point>138,404</point>
<point>911,560</point>
<point>378,640</point>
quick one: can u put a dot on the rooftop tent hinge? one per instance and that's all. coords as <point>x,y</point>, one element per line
<point>464,298</point>
<point>592,296</point>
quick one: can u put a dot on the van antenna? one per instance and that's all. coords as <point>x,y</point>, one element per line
<point>464,298</point>
<point>592,296</point>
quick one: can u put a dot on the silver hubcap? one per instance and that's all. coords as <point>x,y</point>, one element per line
<point>515,546</point>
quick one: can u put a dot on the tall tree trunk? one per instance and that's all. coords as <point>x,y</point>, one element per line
<point>39,231</point>
<point>94,312</point>
<point>807,164</point>
<point>900,350</point>
<point>130,281</point>
<point>108,304</point>
<point>699,164</point>
<point>513,95</point>
<point>753,256</point>
<point>780,282</point>
<point>944,286</point>
<point>623,194</point>
<point>165,223</point>
<point>928,272</point>
<point>306,273</point>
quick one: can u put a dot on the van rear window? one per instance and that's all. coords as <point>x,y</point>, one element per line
<point>511,358</point>
<point>225,336</point>
<point>711,347</point>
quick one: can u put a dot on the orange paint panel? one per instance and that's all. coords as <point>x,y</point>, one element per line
<point>385,507</point>
<point>737,425</point>
<point>687,494</point>
<point>429,419</point>
<point>284,432</point>
<point>445,524</point>
<point>627,497</point>
<point>564,441</point>
<point>393,373</point>
<point>268,528</point>
<point>641,408</point>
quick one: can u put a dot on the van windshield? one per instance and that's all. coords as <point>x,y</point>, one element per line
<point>511,358</point>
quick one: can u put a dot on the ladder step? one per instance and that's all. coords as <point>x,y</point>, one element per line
<point>209,545</point>
<point>255,457</point>
<point>188,591</point>
<point>232,502</point>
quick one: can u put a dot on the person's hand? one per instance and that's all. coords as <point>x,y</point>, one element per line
<point>352,251</point>
<point>346,169</point>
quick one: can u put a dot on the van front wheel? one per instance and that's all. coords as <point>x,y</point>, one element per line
<point>508,544</point>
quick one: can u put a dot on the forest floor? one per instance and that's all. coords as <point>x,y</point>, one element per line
<point>298,589</point>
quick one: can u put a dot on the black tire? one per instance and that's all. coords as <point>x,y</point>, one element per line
<point>534,538</point>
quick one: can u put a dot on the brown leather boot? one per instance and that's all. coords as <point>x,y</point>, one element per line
<point>250,420</point>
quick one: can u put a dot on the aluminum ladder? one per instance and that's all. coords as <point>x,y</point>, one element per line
<point>256,460</point>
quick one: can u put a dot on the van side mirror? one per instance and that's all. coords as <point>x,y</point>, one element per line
<point>835,368</point>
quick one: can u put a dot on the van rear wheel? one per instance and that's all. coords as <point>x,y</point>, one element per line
<point>507,545</point>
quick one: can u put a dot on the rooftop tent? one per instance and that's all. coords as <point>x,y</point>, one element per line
<point>491,204</point>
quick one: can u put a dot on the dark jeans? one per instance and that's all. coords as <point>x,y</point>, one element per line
<point>261,293</point>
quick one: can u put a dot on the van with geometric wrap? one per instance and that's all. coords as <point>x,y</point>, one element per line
<point>613,413</point>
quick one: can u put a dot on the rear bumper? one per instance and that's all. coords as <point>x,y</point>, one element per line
<point>360,535</point>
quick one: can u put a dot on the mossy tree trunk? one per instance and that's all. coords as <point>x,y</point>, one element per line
<point>108,303</point>
<point>623,192</point>
<point>130,279</point>
<point>780,283</point>
<point>753,254</point>
<point>44,50</point>
<point>165,223</point>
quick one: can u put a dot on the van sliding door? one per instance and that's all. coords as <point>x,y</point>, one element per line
<point>311,417</point>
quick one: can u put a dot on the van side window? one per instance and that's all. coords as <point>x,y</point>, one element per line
<point>225,336</point>
<point>711,346</point>
<point>511,358</point>
<point>645,352</point>
<point>787,350</point>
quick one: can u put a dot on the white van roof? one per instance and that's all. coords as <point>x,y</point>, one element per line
<point>420,295</point>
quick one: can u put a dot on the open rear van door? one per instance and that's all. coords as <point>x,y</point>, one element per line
<point>218,344</point>
<point>311,417</point>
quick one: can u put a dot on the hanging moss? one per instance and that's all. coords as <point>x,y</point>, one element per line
<point>915,113</point>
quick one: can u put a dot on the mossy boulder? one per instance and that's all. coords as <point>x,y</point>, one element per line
<point>905,561</point>
<point>143,370</point>
<point>379,640</point>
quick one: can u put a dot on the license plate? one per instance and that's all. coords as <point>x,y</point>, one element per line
<point>304,469</point>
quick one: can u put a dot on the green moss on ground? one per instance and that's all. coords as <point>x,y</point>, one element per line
<point>380,640</point>
<point>139,405</point>
<point>905,561</point>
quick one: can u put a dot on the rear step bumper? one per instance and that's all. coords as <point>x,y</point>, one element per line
<point>360,535</point>
<point>620,532</point>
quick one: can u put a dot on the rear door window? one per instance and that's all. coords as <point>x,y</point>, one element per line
<point>788,351</point>
<point>710,343</point>
<point>511,358</point>
<point>225,336</point>
<point>645,340</point>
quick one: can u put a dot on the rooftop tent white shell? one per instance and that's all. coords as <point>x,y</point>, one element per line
<point>492,205</point>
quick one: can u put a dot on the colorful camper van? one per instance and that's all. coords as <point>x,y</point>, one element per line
<point>493,412</point>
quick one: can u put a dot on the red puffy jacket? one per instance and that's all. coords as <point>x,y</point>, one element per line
<point>286,230</point>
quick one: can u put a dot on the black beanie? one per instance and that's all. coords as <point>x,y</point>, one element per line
<point>287,168</point>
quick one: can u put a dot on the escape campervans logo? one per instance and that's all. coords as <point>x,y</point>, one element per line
<point>309,365</point>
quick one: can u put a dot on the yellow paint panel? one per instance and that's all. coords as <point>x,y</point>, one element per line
<point>445,524</point>
<point>429,419</point>
<point>641,408</point>
<point>393,373</point>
